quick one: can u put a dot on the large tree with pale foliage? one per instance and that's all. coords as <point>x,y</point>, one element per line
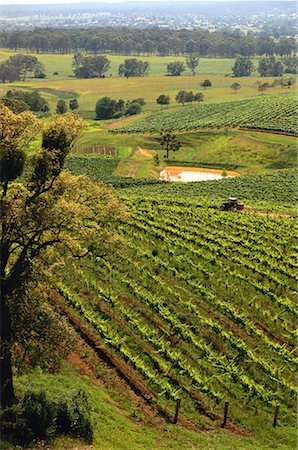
<point>46,215</point>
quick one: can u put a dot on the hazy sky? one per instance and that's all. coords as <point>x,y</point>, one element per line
<point>43,2</point>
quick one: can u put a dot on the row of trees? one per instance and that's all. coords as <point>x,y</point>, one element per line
<point>136,42</point>
<point>182,97</point>
<point>97,66</point>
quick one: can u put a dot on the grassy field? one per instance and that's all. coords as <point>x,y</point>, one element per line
<point>255,151</point>
<point>63,64</point>
<point>122,422</point>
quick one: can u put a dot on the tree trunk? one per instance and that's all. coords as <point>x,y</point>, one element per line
<point>6,385</point>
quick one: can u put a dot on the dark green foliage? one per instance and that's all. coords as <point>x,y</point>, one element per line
<point>187,97</point>
<point>133,68</point>
<point>235,87</point>
<point>98,168</point>
<point>278,188</point>
<point>270,67</point>
<point>90,66</point>
<point>133,108</point>
<point>198,97</point>
<point>61,107</point>
<point>169,142</point>
<point>131,41</point>
<point>39,71</point>
<point>206,83</point>
<point>106,108</point>
<point>16,67</point>
<point>175,69</point>
<point>290,65</point>
<point>33,99</point>
<point>243,67</point>
<point>37,418</point>
<point>73,417</point>
<point>192,63</point>
<point>163,99</point>
<point>11,164</point>
<point>38,414</point>
<point>73,104</point>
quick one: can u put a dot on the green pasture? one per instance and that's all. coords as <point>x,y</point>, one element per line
<point>89,91</point>
<point>158,64</point>
<point>254,151</point>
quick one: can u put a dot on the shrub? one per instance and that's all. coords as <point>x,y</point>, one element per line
<point>39,415</point>
<point>73,417</point>
<point>133,108</point>
<point>36,418</point>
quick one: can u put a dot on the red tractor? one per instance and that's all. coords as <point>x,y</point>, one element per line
<point>232,205</point>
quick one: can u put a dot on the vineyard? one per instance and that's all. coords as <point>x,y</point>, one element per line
<point>275,191</point>
<point>273,112</point>
<point>99,150</point>
<point>200,306</point>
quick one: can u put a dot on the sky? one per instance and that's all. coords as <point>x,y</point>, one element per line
<point>43,2</point>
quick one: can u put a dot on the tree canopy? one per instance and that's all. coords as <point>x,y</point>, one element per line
<point>243,67</point>
<point>46,215</point>
<point>90,66</point>
<point>134,68</point>
<point>192,63</point>
<point>175,68</point>
<point>16,67</point>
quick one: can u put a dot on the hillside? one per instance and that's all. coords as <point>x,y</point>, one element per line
<point>200,306</point>
<point>192,307</point>
<point>275,112</point>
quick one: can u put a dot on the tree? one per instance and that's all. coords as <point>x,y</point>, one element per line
<point>181,97</point>
<point>243,67</point>
<point>105,108</point>
<point>61,107</point>
<point>175,69</point>
<point>90,66</point>
<point>185,97</point>
<point>39,71</point>
<point>33,99</point>
<point>206,83</point>
<point>163,100</point>
<point>198,97</point>
<point>169,142</point>
<point>235,87</point>
<point>291,65</point>
<point>192,63</point>
<point>20,64</point>
<point>133,68</point>
<point>262,87</point>
<point>133,108</point>
<point>73,104</point>
<point>43,217</point>
<point>270,67</point>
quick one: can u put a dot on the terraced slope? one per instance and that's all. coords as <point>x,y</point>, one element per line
<point>274,112</point>
<point>200,307</point>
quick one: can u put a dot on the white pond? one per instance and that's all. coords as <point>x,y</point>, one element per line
<point>189,174</point>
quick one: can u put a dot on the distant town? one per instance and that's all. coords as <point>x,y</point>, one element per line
<point>277,18</point>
